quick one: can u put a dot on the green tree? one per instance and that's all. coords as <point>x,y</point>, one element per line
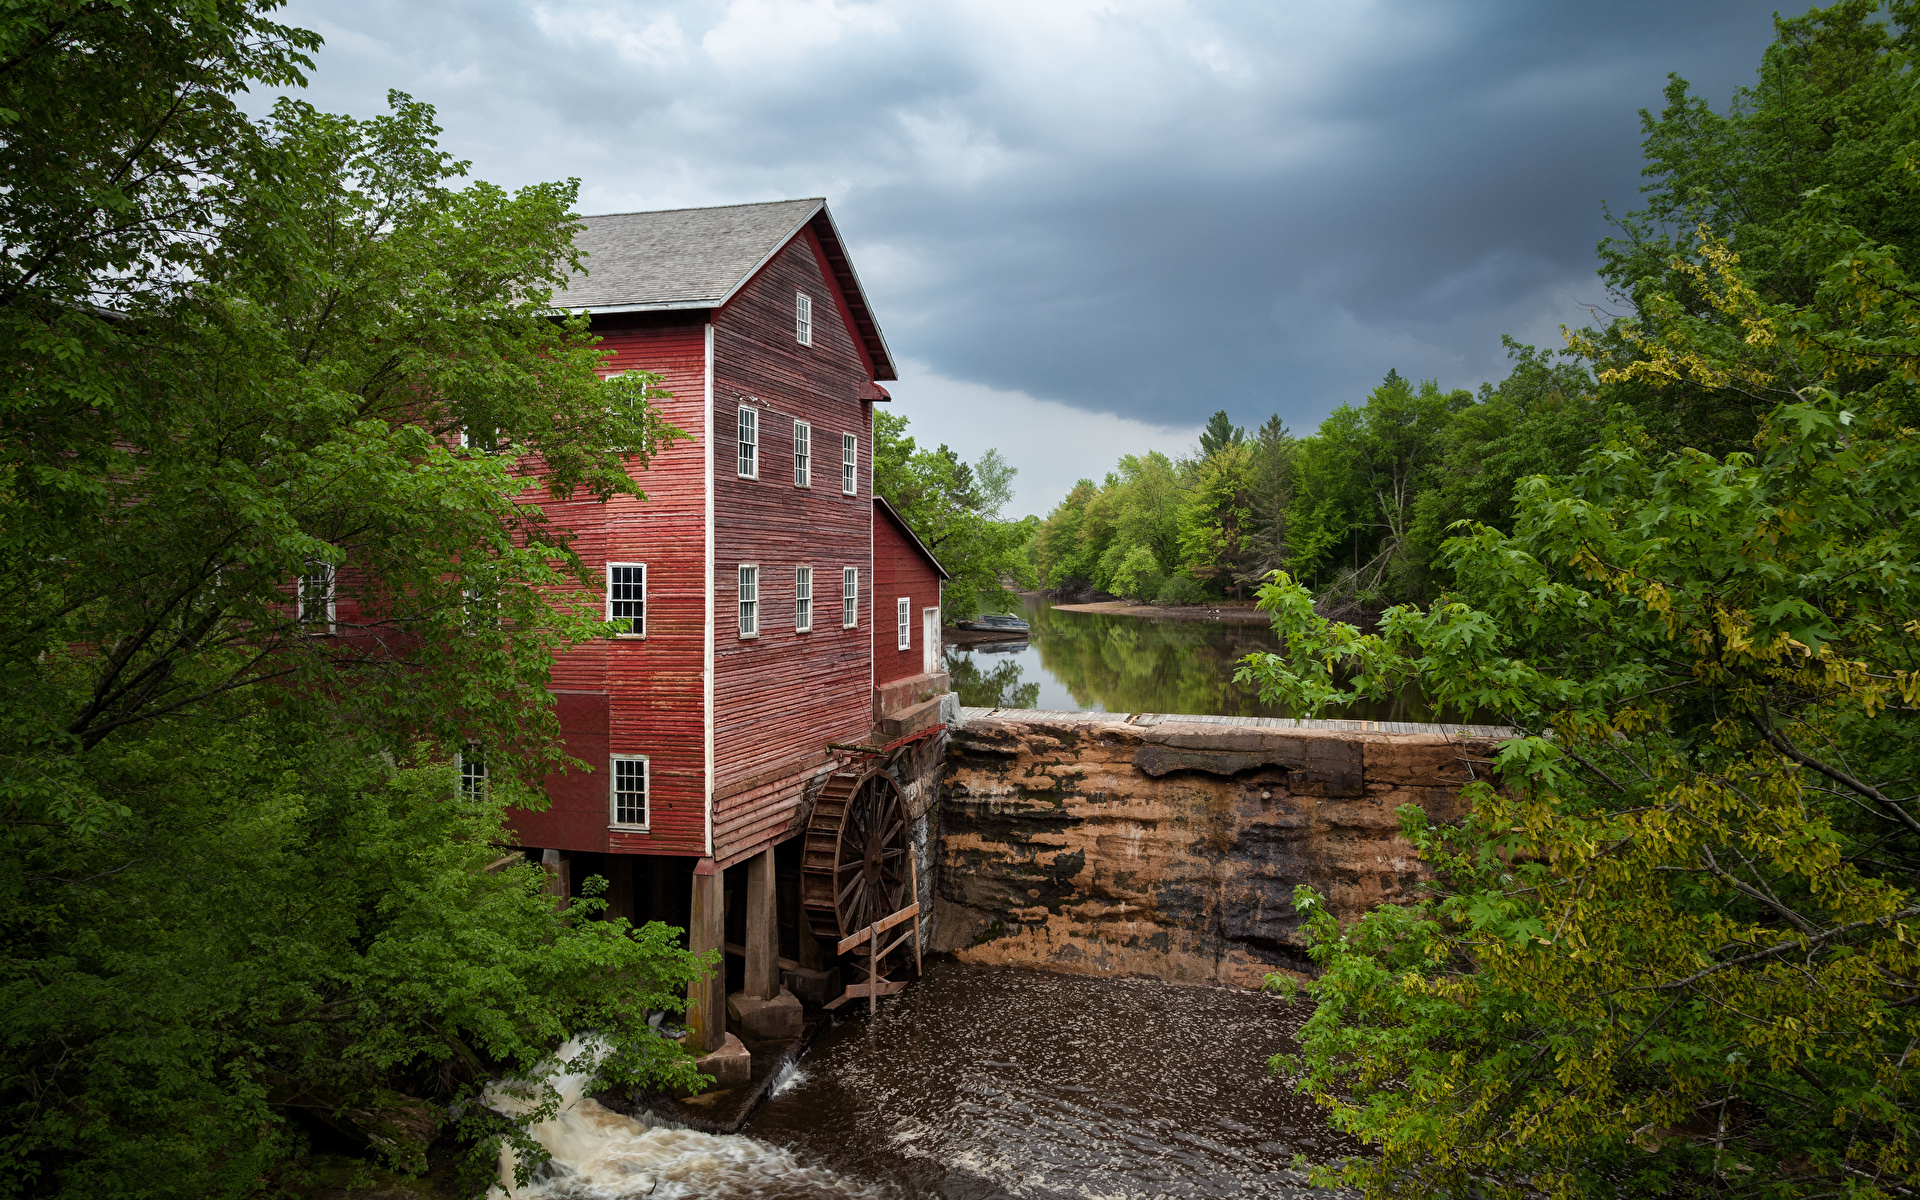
<point>955,509</point>
<point>1274,449</point>
<point>1142,498</point>
<point>1832,112</point>
<point>1676,947</point>
<point>1359,481</point>
<point>118,140</point>
<point>1220,532</point>
<point>1219,434</point>
<point>1540,420</point>
<point>238,882</point>
<point>1059,549</point>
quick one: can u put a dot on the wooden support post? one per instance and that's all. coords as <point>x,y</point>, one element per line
<point>707,930</point>
<point>619,887</point>
<point>763,929</point>
<point>913,869</point>
<point>558,883</point>
<point>873,971</point>
<point>660,902</point>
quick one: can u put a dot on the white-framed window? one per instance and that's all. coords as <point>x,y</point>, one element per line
<point>803,599</point>
<point>802,454</point>
<point>317,595</point>
<point>849,597</point>
<point>903,614</point>
<point>479,610</point>
<point>803,318</point>
<point>470,764</point>
<point>627,791</point>
<point>849,464</point>
<point>749,600</point>
<point>627,598</point>
<point>480,439</point>
<point>749,443</point>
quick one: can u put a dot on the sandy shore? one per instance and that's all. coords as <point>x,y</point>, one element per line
<point>1233,614</point>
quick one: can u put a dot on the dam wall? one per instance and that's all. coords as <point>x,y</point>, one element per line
<point>1168,846</point>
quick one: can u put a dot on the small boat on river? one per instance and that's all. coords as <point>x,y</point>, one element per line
<point>995,623</point>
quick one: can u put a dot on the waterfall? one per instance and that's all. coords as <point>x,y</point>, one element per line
<point>599,1154</point>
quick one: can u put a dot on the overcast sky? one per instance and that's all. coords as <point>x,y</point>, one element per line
<point>1085,226</point>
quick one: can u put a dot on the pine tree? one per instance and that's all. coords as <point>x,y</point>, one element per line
<point>1219,434</point>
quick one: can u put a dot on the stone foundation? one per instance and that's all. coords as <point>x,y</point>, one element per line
<point>1100,844</point>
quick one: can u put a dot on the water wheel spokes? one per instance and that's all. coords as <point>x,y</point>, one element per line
<point>856,866</point>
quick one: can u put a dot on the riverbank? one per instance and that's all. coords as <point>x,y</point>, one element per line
<point>1230,612</point>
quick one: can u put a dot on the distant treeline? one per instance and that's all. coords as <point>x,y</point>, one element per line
<point>1359,509</point>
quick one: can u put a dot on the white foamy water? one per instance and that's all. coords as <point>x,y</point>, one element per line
<point>790,1077</point>
<point>599,1154</point>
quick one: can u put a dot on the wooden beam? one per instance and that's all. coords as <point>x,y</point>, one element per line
<point>859,939</point>
<point>886,987</point>
<point>739,951</point>
<point>896,943</point>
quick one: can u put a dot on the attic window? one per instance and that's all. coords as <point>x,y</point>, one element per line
<point>803,318</point>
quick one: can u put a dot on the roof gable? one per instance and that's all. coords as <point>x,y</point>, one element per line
<point>893,514</point>
<point>692,258</point>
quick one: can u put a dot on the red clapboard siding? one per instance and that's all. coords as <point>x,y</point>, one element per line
<point>899,569</point>
<point>784,694</point>
<point>648,692</point>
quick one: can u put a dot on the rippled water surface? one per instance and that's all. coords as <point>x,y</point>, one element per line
<point>981,1083</point>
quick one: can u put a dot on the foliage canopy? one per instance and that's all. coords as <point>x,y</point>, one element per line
<point>1674,943</point>
<point>241,895</point>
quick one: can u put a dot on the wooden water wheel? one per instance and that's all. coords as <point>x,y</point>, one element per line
<point>857,855</point>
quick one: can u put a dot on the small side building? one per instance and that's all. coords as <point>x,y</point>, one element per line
<point>909,672</point>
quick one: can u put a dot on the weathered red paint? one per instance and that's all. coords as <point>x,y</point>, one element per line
<point>784,694</point>
<point>900,569</point>
<point>648,691</point>
<point>778,698</point>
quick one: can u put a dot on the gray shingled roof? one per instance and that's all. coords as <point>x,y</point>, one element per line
<point>680,258</point>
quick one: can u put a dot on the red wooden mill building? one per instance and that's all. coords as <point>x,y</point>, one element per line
<point>776,614</point>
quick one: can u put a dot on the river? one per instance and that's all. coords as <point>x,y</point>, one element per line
<point>979,1083</point>
<point>1109,662</point>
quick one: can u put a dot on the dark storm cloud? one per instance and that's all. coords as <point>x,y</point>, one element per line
<point>1150,209</point>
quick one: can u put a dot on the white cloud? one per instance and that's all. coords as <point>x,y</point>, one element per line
<point>1050,443</point>
<point>654,40</point>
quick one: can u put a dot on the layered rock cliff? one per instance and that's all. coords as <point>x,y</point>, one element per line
<point>1089,844</point>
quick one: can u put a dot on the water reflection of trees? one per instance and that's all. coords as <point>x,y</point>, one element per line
<point>1129,664</point>
<point>998,688</point>
<point>1132,664</point>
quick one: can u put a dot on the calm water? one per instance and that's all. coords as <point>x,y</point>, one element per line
<point>980,1083</point>
<point>1105,662</point>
